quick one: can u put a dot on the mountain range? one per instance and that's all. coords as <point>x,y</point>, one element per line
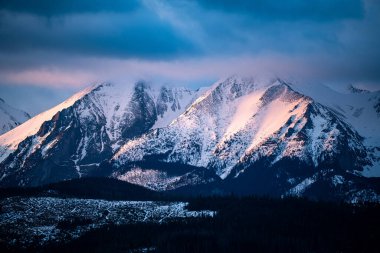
<point>241,135</point>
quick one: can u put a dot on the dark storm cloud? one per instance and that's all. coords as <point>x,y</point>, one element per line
<point>321,10</point>
<point>139,34</point>
<point>135,29</point>
<point>51,7</point>
<point>74,41</point>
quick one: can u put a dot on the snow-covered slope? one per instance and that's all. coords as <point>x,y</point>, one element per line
<point>239,120</point>
<point>191,138</point>
<point>73,138</point>
<point>10,117</point>
<point>261,132</point>
<point>10,140</point>
<point>243,135</point>
<point>360,109</point>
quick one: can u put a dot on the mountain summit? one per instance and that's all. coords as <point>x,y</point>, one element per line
<point>240,135</point>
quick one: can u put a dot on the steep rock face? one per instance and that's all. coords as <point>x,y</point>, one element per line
<point>10,117</point>
<point>79,137</point>
<point>141,114</point>
<point>167,99</point>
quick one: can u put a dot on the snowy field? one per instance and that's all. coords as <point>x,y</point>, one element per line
<point>26,221</point>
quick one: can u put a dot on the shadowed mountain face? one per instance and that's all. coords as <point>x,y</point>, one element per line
<point>237,136</point>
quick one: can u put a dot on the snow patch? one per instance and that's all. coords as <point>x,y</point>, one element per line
<point>149,178</point>
<point>301,187</point>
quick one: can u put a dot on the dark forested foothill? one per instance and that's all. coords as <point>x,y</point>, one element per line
<point>92,187</point>
<point>248,224</point>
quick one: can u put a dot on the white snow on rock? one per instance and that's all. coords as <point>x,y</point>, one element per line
<point>301,187</point>
<point>104,104</point>
<point>225,128</point>
<point>358,107</point>
<point>149,178</point>
<point>10,140</point>
<point>220,112</point>
<point>238,120</point>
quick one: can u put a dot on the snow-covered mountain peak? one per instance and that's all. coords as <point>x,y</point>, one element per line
<point>31,127</point>
<point>281,90</point>
<point>361,110</point>
<point>280,136</point>
<point>236,124</point>
<point>228,90</point>
<point>232,117</point>
<point>237,86</point>
<point>88,128</point>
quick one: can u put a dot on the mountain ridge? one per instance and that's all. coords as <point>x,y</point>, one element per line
<point>81,133</point>
<point>238,132</point>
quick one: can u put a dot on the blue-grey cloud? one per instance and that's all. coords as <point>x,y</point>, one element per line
<point>137,34</point>
<point>33,99</point>
<point>52,8</point>
<point>321,10</point>
<point>327,39</point>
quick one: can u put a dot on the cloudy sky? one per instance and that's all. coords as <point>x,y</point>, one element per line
<point>49,49</point>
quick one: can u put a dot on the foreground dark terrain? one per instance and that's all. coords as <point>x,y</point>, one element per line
<point>241,224</point>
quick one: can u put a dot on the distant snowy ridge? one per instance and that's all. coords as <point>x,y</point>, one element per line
<point>354,89</point>
<point>10,117</point>
<point>361,110</point>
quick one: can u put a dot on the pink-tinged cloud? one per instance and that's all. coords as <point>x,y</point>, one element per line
<point>186,71</point>
<point>49,77</point>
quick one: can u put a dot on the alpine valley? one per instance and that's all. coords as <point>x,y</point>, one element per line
<point>244,136</point>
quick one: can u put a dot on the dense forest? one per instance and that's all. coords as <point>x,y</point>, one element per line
<point>242,224</point>
<point>92,187</point>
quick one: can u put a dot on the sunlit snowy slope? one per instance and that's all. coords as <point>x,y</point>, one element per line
<point>245,135</point>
